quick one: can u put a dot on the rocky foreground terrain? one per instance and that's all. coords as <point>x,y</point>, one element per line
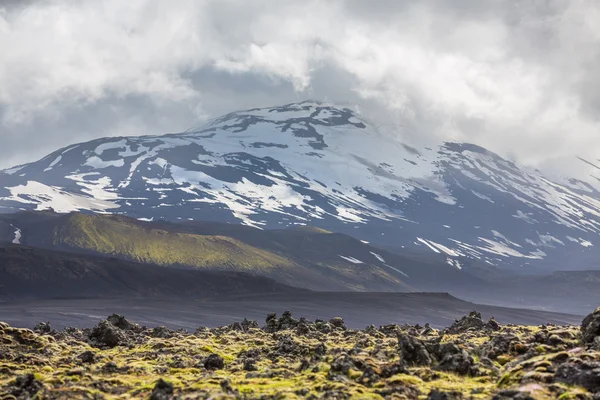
<point>295,358</point>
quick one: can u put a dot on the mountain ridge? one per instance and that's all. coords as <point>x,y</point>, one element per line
<point>319,165</point>
<point>298,257</point>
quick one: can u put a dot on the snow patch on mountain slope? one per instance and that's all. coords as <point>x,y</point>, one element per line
<point>351,259</point>
<point>426,243</point>
<point>396,269</point>
<point>503,238</point>
<point>119,144</point>
<point>12,171</point>
<point>440,248</point>
<point>482,196</point>
<point>18,235</point>
<point>53,163</point>
<point>147,153</point>
<point>455,263</point>
<point>525,217</point>
<point>44,197</point>
<point>378,257</point>
<point>582,242</point>
<point>503,250</point>
<point>97,162</point>
<point>100,189</point>
<point>240,196</point>
<point>349,215</point>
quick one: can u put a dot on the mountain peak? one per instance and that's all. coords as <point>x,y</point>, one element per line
<point>307,113</point>
<point>321,165</point>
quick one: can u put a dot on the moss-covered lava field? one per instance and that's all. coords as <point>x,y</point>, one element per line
<point>289,358</point>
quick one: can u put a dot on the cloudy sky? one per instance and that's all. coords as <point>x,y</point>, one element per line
<point>521,78</point>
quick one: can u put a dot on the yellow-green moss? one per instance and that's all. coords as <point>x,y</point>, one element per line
<point>127,239</point>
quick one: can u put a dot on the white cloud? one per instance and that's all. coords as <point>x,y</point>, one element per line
<point>518,77</point>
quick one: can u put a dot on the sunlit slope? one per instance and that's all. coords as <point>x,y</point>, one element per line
<point>123,237</point>
<point>216,248</point>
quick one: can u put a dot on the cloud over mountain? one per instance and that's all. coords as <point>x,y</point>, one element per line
<point>517,77</point>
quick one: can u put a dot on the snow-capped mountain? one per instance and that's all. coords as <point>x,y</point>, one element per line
<point>315,164</point>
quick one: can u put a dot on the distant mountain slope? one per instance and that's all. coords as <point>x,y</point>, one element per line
<point>325,166</point>
<point>98,250</point>
<point>327,264</point>
<point>28,273</point>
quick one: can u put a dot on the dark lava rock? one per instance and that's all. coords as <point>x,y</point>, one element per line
<point>472,321</point>
<point>87,357</point>
<point>271,316</point>
<point>303,328</point>
<point>243,326</point>
<point>106,334</point>
<point>454,359</point>
<point>338,323</point>
<point>287,321</point>
<point>43,328</point>
<point>162,391</point>
<point>413,351</point>
<point>271,321</point>
<point>499,344</point>
<point>399,392</point>
<point>389,330</point>
<point>580,373</point>
<point>73,333</point>
<point>321,350</point>
<point>250,365</point>
<point>342,364</point>
<point>493,325</point>
<point>304,365</point>
<point>250,353</point>
<point>590,327</point>
<point>122,323</point>
<point>439,395</point>
<point>162,332</point>
<point>323,327</point>
<point>178,362</point>
<point>427,330</point>
<point>249,324</point>
<point>287,345</point>
<point>513,395</point>
<point>214,362</point>
<point>110,368</point>
<point>226,386</point>
<point>25,387</point>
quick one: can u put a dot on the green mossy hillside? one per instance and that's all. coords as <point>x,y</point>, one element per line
<point>125,238</point>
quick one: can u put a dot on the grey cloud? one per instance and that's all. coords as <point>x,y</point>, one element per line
<point>12,5</point>
<point>109,117</point>
<point>516,76</point>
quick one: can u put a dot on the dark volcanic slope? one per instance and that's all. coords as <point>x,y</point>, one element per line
<point>302,257</point>
<point>28,273</point>
<point>309,258</point>
<point>357,309</point>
